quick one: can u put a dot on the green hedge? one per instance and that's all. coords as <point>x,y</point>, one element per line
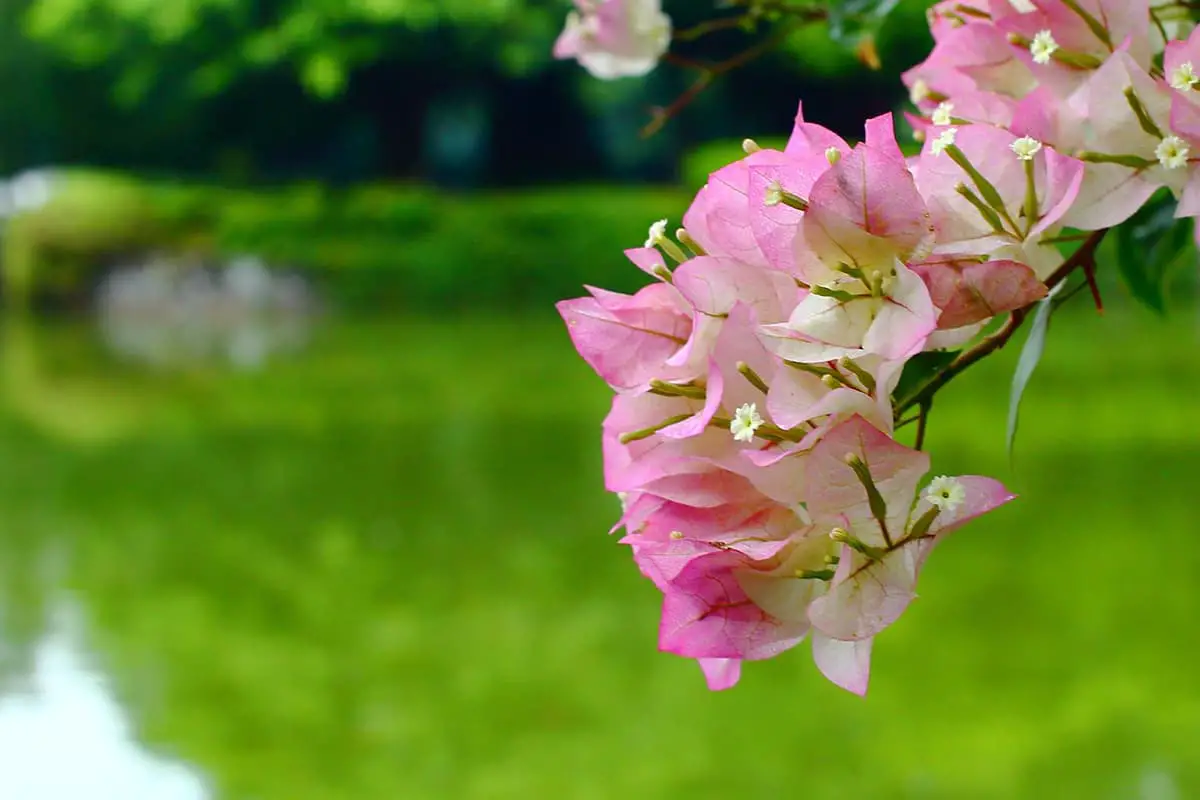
<point>374,247</point>
<point>379,246</point>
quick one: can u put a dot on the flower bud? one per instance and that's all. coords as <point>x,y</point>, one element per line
<point>1143,116</point>
<point>843,536</point>
<point>874,499</point>
<point>753,377</point>
<point>864,377</point>
<point>691,244</point>
<point>815,574</point>
<point>646,433</point>
<point>677,390</point>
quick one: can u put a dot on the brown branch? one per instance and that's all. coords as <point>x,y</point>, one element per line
<point>1084,257</point>
<point>703,29</point>
<point>709,73</point>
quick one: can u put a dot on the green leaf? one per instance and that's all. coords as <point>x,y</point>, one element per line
<point>1031,354</point>
<point>324,75</point>
<point>1149,247</point>
<point>919,369</point>
<point>849,18</point>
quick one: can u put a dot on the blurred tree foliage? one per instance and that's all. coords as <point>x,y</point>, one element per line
<point>460,92</point>
<point>324,40</point>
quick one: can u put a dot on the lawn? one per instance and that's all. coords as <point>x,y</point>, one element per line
<point>380,571</point>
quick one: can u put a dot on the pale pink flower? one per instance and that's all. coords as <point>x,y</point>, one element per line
<point>708,614</point>
<point>721,673</point>
<point>865,211</point>
<point>1181,65</point>
<point>748,579</point>
<point>667,330</point>
<point>865,221</point>
<point>1112,192</point>
<point>615,38</point>
<point>973,105</point>
<point>968,56</point>
<point>712,286</point>
<point>699,556</point>
<point>892,323</point>
<point>993,153</point>
<point>1125,25</point>
<point>798,396</point>
<point>629,339</point>
<point>966,223</point>
<point>969,291</point>
<point>1181,68</point>
<point>731,216</point>
<point>885,541</point>
<point>846,663</point>
<point>734,595</point>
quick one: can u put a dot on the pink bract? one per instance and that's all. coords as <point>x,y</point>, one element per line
<point>615,38</point>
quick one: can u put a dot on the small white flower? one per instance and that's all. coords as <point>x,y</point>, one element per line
<point>944,140</point>
<point>1184,77</point>
<point>945,493</point>
<point>774,194</point>
<point>833,155</point>
<point>677,535</point>
<point>750,147</point>
<point>1026,148</point>
<point>1022,6</point>
<point>941,114</point>
<point>658,232</point>
<point>919,92</point>
<point>1042,47</point>
<point>1172,152</point>
<point>745,422</point>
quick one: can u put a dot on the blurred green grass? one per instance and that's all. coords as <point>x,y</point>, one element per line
<point>369,247</point>
<point>381,571</point>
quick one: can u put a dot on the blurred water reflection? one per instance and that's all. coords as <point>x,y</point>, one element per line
<point>173,314</point>
<point>64,736</point>
<point>378,571</point>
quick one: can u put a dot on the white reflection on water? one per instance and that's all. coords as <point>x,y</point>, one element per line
<point>63,736</point>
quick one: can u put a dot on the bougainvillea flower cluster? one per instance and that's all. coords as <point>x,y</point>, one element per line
<point>751,438</point>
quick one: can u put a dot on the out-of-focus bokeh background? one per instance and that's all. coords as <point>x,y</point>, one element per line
<point>300,489</point>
